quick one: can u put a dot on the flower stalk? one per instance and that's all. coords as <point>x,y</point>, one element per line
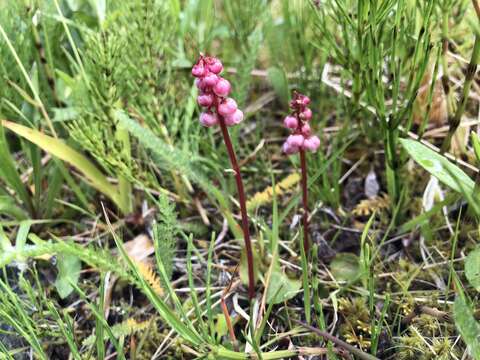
<point>243,206</point>
<point>303,165</point>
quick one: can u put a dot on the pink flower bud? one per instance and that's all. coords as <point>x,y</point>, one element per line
<point>306,130</point>
<point>295,140</point>
<point>290,122</point>
<point>288,149</point>
<point>208,119</point>
<point>200,84</point>
<point>215,66</point>
<point>210,79</point>
<point>305,100</point>
<point>205,100</point>
<point>222,88</point>
<point>227,107</point>
<point>234,119</point>
<point>312,143</point>
<point>306,114</point>
<point>198,70</point>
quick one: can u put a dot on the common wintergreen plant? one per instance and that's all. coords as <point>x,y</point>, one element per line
<point>300,140</point>
<point>223,111</point>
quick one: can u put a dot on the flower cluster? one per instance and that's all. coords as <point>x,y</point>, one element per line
<point>298,122</point>
<point>213,93</point>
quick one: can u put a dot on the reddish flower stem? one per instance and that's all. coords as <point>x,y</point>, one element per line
<point>303,164</point>
<point>243,206</point>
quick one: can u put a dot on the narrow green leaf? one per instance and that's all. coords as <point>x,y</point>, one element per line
<point>21,238</point>
<point>476,145</point>
<point>9,173</point>
<point>64,152</point>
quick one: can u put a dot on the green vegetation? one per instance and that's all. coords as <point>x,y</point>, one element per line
<point>121,228</point>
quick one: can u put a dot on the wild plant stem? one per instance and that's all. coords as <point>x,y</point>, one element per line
<point>243,206</point>
<point>445,76</point>
<point>303,164</point>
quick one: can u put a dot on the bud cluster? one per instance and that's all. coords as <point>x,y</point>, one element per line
<point>298,122</point>
<point>213,93</point>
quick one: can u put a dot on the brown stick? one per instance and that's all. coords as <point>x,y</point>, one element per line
<point>352,349</point>
<point>476,5</point>
<point>228,320</point>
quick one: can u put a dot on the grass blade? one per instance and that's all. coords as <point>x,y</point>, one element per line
<point>64,152</point>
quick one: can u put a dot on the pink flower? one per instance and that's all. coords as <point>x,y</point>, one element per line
<point>215,66</point>
<point>306,114</point>
<point>235,118</point>
<point>295,140</point>
<point>306,130</point>
<point>205,100</point>
<point>198,70</point>
<point>208,119</point>
<point>213,92</point>
<point>227,107</point>
<point>288,149</point>
<point>222,88</point>
<point>200,84</point>
<point>210,79</point>
<point>290,122</point>
<point>312,143</point>
<point>298,122</point>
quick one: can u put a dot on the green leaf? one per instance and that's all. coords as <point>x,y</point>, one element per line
<point>281,287</point>
<point>345,266</point>
<point>476,145</point>
<point>472,268</point>
<point>9,173</point>
<point>278,79</point>
<point>22,234</point>
<point>64,152</point>
<point>69,267</point>
<point>468,327</point>
<point>439,166</point>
